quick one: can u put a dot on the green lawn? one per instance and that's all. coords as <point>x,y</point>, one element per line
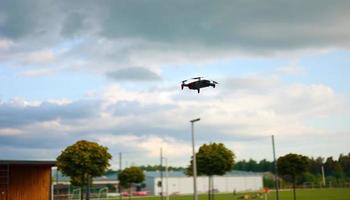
<point>316,194</point>
<point>302,194</point>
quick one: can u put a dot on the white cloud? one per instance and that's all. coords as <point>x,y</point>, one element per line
<point>310,101</point>
<point>292,69</point>
<point>10,131</point>
<point>237,116</point>
<point>5,44</point>
<point>42,56</point>
<point>149,145</point>
<point>38,72</point>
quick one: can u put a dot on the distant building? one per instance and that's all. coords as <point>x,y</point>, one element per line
<point>179,183</point>
<point>25,180</point>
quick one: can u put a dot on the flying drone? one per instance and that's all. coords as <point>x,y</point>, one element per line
<point>198,84</point>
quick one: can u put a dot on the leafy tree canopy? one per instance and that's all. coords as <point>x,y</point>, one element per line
<point>344,161</point>
<point>82,161</point>
<point>292,165</point>
<point>131,175</point>
<point>213,159</point>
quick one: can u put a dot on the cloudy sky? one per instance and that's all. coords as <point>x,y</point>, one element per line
<point>110,71</point>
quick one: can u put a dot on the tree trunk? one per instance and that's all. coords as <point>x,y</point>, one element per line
<point>209,188</point>
<point>212,188</point>
<point>120,190</point>
<point>82,192</point>
<point>87,191</point>
<point>294,192</point>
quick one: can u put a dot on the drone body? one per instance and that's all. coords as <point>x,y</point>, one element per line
<point>198,84</point>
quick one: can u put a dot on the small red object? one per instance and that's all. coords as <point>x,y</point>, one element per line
<point>140,193</point>
<point>125,194</point>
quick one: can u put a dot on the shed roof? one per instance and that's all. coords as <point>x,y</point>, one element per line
<point>28,162</point>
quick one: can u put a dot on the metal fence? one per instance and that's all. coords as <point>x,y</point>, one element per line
<point>74,193</point>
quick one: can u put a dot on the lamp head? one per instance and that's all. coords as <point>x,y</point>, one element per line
<point>195,120</point>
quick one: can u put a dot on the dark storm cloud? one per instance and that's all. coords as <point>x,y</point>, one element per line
<point>38,139</point>
<point>37,144</point>
<point>218,25</point>
<point>21,19</point>
<point>14,115</point>
<point>133,74</point>
<point>231,24</point>
<point>73,25</point>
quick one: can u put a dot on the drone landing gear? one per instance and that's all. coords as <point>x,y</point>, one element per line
<point>198,90</point>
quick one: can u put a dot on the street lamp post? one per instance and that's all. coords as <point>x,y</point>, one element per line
<point>323,178</point>
<point>276,168</point>
<point>194,164</point>
<point>166,178</point>
<point>161,175</point>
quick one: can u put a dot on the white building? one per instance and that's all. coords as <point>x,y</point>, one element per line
<point>179,183</point>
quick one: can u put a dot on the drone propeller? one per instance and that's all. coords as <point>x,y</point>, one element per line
<point>199,78</point>
<point>215,82</point>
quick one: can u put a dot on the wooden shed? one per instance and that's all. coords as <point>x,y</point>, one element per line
<point>25,180</point>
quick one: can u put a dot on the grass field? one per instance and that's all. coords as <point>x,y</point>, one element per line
<point>316,194</point>
<point>302,194</point>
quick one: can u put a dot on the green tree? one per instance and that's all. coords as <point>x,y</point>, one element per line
<point>335,169</point>
<point>82,161</point>
<point>344,161</point>
<point>268,181</point>
<point>291,167</point>
<point>212,159</point>
<point>252,165</point>
<point>265,166</point>
<point>311,178</point>
<point>241,165</point>
<point>129,176</point>
<point>315,165</point>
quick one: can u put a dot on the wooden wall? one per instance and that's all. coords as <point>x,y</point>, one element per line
<point>3,182</point>
<point>30,182</point>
